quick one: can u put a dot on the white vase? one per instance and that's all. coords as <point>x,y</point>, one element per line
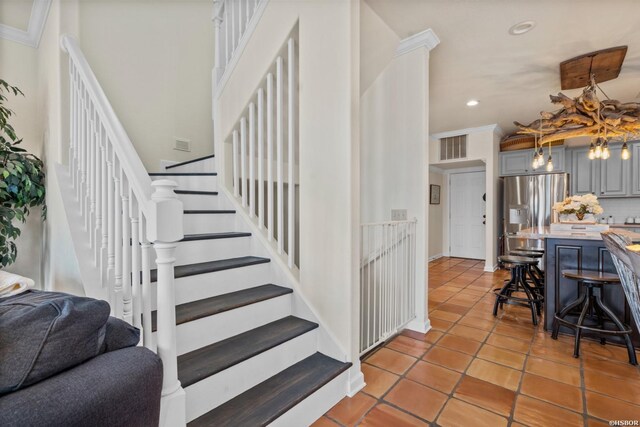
<point>571,218</point>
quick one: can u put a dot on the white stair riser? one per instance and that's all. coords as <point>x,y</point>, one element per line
<point>313,407</point>
<point>200,201</point>
<point>195,251</point>
<point>186,182</point>
<point>206,165</point>
<point>200,286</point>
<point>202,332</point>
<point>217,389</point>
<point>211,223</point>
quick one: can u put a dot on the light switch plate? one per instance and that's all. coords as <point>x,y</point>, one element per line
<point>398,214</point>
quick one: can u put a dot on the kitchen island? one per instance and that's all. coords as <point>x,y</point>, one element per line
<point>578,250</point>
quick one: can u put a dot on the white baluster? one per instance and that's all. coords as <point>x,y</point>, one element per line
<point>92,175</point>
<point>71,119</point>
<point>97,232</point>
<point>145,265</point>
<point>260,158</point>
<point>136,290</point>
<point>104,206</point>
<point>127,310</point>
<point>167,229</point>
<point>270,208</point>
<point>117,240</point>
<point>252,143</point>
<point>240,22</point>
<point>83,143</point>
<point>234,26</point>
<point>111,251</point>
<point>227,35</point>
<point>243,159</point>
<point>236,161</point>
<point>291,249</point>
<point>279,150</point>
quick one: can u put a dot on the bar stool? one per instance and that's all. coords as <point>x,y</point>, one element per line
<point>534,272</point>
<point>591,302</point>
<point>520,268</point>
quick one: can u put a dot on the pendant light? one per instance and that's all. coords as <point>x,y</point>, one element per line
<point>536,158</point>
<point>592,151</point>
<point>605,150</point>
<point>625,153</point>
<point>549,161</point>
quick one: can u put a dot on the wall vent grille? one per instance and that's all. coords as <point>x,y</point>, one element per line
<point>453,147</point>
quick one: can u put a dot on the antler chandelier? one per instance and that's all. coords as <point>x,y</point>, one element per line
<point>585,115</point>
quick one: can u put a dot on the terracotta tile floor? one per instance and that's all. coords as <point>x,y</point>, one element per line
<point>473,369</point>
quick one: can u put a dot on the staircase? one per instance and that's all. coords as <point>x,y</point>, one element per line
<point>244,359</point>
<point>218,302</point>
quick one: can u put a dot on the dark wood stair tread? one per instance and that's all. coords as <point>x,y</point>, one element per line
<point>207,361</point>
<point>210,306</point>
<point>183,173</point>
<point>214,236</point>
<point>197,192</point>
<point>264,403</point>
<point>212,266</point>
<point>208,211</point>
<point>199,159</point>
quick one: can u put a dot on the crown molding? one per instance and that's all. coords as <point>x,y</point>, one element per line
<point>37,20</point>
<point>427,39</point>
<point>494,128</point>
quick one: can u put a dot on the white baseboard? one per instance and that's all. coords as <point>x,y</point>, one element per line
<point>418,326</point>
<point>435,257</point>
<point>356,380</point>
<point>490,268</point>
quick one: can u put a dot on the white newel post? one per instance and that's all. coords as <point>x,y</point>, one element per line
<point>218,69</point>
<point>164,229</point>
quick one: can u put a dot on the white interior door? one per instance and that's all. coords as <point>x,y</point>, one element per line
<point>467,215</point>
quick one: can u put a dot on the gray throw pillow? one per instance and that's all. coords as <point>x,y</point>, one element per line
<point>43,333</point>
<point>119,334</point>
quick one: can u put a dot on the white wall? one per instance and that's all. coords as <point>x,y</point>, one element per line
<point>378,46</point>
<point>154,61</point>
<point>436,212</point>
<point>328,46</point>
<point>394,155</point>
<point>482,148</point>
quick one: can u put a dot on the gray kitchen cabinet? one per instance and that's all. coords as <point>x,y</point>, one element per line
<point>635,167</point>
<point>614,174</point>
<point>584,172</point>
<point>519,162</point>
<point>515,162</point>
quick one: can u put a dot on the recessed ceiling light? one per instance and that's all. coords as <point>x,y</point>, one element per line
<point>522,27</point>
<point>472,102</point>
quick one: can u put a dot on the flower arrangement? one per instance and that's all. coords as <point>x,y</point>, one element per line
<point>579,206</point>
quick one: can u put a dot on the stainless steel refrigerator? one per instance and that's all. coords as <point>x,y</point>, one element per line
<point>528,200</point>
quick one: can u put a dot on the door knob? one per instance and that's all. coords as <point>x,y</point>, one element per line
<point>484,222</point>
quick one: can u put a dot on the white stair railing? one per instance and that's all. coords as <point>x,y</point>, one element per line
<point>232,20</point>
<point>264,146</point>
<point>124,214</point>
<point>387,280</point>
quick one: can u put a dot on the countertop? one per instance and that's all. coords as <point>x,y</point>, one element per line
<point>545,233</point>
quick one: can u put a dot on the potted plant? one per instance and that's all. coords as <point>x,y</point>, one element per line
<point>579,209</point>
<point>22,181</point>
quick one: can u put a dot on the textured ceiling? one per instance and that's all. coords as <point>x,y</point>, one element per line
<point>512,76</point>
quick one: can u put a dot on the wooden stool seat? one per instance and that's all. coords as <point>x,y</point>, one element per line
<point>591,276</point>
<point>517,260</point>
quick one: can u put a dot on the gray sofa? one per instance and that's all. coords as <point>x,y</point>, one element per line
<point>92,378</point>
